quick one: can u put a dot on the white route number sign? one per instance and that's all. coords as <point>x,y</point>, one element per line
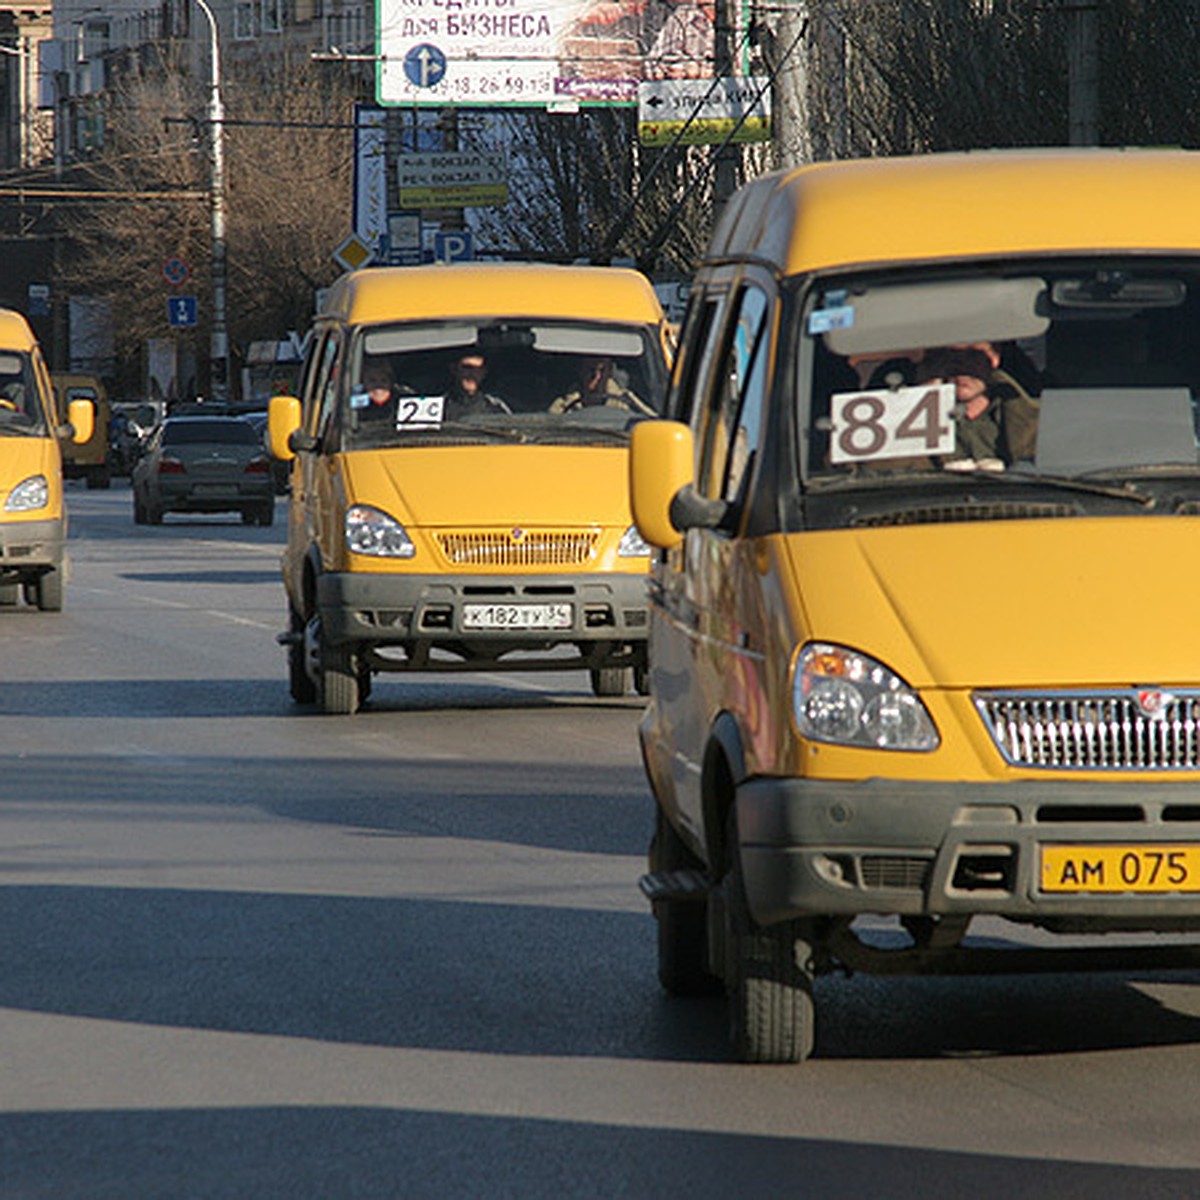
<point>891,424</point>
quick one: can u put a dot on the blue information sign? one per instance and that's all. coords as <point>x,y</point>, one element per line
<point>181,311</point>
<point>424,65</point>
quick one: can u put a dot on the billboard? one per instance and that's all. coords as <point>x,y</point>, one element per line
<point>538,53</point>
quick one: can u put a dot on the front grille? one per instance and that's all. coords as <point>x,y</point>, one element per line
<point>1120,730</point>
<point>519,548</point>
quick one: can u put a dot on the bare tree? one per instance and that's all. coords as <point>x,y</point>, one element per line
<point>288,177</point>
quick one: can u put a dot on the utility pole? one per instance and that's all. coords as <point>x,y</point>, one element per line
<point>725,179</point>
<point>216,127</point>
<point>1083,71</point>
<point>785,55</point>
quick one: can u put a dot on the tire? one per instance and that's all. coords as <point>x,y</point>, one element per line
<point>769,983</point>
<point>49,590</point>
<point>300,683</point>
<point>10,595</point>
<point>641,680</point>
<point>339,690</point>
<point>266,515</point>
<point>682,924</point>
<point>249,517</point>
<point>610,681</point>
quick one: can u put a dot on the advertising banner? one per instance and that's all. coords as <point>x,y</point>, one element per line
<point>538,53</point>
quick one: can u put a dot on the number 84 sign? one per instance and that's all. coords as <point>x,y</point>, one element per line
<point>891,424</point>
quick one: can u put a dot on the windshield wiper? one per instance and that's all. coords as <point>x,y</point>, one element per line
<point>1065,483</point>
<point>452,431</point>
<point>1073,483</point>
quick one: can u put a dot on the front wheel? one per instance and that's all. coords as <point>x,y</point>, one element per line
<point>772,1014</point>
<point>300,682</point>
<point>682,924</point>
<point>49,590</point>
<point>610,681</point>
<point>340,690</point>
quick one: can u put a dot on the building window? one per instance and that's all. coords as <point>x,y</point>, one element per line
<point>272,16</point>
<point>245,20</point>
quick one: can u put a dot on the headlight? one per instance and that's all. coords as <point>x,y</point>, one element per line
<point>839,695</point>
<point>29,494</point>
<point>369,531</point>
<point>632,545</point>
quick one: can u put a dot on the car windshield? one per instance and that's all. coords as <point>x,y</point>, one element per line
<point>20,407</point>
<point>1081,374</point>
<point>501,381</point>
<point>232,432</point>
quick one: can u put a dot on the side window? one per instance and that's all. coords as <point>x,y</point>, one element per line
<point>329,384</point>
<point>321,384</point>
<point>694,356</point>
<point>732,429</point>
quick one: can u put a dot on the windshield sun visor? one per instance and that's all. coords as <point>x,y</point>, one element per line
<point>894,317</point>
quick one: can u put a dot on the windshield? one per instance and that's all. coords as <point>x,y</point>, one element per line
<point>20,407</point>
<point>1083,372</point>
<point>511,380</point>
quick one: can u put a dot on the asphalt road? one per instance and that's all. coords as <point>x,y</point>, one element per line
<point>251,952</point>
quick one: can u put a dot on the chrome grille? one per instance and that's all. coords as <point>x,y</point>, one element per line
<point>1119,730</point>
<point>519,547</point>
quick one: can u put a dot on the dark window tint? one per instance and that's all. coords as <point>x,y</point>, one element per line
<point>226,433</point>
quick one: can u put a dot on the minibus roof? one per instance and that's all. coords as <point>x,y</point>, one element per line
<point>493,290</point>
<point>990,203</point>
<point>15,333</point>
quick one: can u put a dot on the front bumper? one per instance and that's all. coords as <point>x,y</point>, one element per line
<point>427,610</point>
<point>820,847</point>
<point>28,547</point>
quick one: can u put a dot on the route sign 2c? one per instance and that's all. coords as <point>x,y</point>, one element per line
<point>181,312</point>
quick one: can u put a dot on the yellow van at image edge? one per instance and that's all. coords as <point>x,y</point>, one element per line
<point>33,541</point>
<point>442,487</point>
<point>87,460</point>
<point>883,592</point>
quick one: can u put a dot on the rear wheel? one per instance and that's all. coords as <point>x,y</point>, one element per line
<point>641,680</point>
<point>49,590</point>
<point>610,681</point>
<point>266,514</point>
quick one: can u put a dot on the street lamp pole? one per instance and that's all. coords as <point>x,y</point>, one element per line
<point>216,125</point>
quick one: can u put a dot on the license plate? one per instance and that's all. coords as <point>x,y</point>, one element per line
<point>517,616</point>
<point>1109,869</point>
<point>215,489</point>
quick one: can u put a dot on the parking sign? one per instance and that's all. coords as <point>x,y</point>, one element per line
<point>181,311</point>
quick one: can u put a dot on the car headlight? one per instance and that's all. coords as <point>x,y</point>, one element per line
<point>28,495</point>
<point>369,531</point>
<point>632,545</point>
<point>839,695</point>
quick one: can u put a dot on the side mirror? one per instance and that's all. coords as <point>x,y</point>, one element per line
<point>283,420</point>
<point>661,464</point>
<point>81,417</point>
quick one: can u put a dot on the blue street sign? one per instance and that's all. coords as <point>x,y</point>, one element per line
<point>424,66</point>
<point>181,311</point>
<point>453,245</point>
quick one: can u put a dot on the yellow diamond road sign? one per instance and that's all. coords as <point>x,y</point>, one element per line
<point>353,253</point>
